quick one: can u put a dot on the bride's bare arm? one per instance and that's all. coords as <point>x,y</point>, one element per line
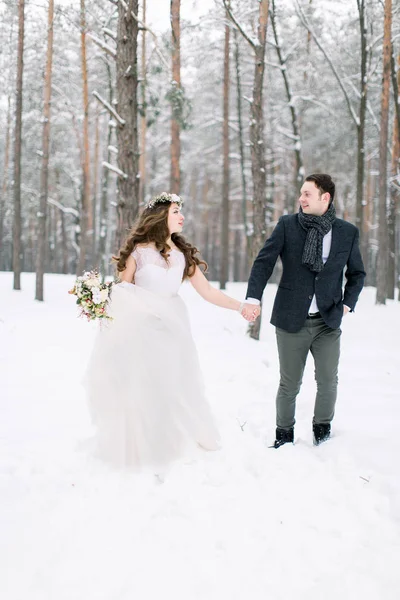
<point>211,294</point>
<point>129,273</point>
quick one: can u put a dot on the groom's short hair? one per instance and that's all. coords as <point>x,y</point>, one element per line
<point>324,183</point>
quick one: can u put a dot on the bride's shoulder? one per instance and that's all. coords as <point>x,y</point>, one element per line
<point>139,248</point>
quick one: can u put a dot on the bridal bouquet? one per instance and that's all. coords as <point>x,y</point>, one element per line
<point>92,296</point>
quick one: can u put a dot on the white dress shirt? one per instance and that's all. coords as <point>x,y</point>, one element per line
<point>326,248</point>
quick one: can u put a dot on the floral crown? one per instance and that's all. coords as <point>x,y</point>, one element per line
<point>164,197</point>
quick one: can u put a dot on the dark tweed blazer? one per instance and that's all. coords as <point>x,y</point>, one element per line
<point>298,284</point>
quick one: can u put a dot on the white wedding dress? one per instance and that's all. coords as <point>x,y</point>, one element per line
<point>143,382</point>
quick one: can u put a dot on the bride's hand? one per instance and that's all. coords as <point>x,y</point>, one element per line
<point>250,312</point>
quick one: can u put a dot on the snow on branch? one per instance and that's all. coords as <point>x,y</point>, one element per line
<point>288,134</point>
<point>314,101</point>
<point>110,33</point>
<point>107,49</point>
<point>274,65</point>
<point>110,109</point>
<point>253,43</point>
<point>290,52</point>
<point>114,169</point>
<point>146,28</point>
<point>307,25</point>
<point>249,100</point>
<point>64,209</point>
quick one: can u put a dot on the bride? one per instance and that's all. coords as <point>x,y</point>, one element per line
<point>144,385</point>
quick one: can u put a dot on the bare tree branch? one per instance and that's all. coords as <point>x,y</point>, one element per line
<point>110,109</point>
<point>110,51</point>
<point>110,33</point>
<point>64,209</point>
<point>252,43</point>
<point>111,167</point>
<point>307,25</point>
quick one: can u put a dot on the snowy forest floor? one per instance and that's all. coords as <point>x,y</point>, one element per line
<point>244,522</point>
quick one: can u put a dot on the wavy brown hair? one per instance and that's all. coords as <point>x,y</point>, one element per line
<point>152,227</point>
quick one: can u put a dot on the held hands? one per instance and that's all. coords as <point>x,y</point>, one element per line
<point>250,312</point>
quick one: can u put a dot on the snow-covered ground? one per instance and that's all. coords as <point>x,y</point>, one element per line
<point>245,522</point>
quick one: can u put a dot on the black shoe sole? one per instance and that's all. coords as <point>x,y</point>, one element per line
<point>279,446</point>
<point>319,442</point>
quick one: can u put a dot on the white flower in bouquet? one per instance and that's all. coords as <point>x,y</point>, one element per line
<point>92,296</point>
<point>104,295</point>
<point>92,282</point>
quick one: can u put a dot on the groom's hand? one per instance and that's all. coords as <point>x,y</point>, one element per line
<point>250,312</point>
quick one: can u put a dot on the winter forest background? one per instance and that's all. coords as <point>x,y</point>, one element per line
<point>229,103</point>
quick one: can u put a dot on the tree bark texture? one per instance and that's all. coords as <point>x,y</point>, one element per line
<point>44,175</point>
<point>382,263</point>
<point>241,143</point>
<point>257,136</point>
<point>86,221</point>
<point>394,192</point>
<point>127,133</point>
<point>103,218</point>
<point>360,204</point>
<point>143,118</point>
<point>299,169</point>
<point>17,149</point>
<point>224,271</point>
<point>176,82</point>
<point>4,185</point>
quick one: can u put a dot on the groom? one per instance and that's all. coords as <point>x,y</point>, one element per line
<point>315,247</point>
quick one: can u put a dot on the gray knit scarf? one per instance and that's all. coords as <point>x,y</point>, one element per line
<point>316,227</point>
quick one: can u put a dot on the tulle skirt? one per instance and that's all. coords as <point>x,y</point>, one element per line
<point>144,385</point>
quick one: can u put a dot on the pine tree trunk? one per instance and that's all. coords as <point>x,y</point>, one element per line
<point>176,82</point>
<point>103,218</point>
<point>299,170</point>
<point>308,50</point>
<point>4,185</point>
<point>192,221</point>
<point>95,182</point>
<point>393,262</point>
<point>143,119</point>
<point>382,263</point>
<point>368,216</point>
<point>241,145</point>
<point>224,270</point>
<point>44,175</point>
<point>127,133</point>
<point>257,135</point>
<point>17,149</point>
<point>360,206</point>
<point>86,221</point>
<point>205,250</point>
<point>260,211</point>
<point>260,214</point>
<point>64,243</point>
<point>237,256</point>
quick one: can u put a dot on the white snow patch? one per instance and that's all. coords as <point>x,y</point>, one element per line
<point>245,522</point>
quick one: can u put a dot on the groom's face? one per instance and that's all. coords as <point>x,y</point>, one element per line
<point>312,200</point>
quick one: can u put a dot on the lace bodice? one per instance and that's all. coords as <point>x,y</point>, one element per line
<point>153,273</point>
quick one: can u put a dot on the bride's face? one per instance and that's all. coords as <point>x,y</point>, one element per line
<point>175,219</point>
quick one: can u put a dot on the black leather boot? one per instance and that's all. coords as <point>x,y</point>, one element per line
<point>322,432</point>
<point>283,436</point>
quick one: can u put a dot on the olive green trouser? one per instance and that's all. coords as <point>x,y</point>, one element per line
<point>324,344</point>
